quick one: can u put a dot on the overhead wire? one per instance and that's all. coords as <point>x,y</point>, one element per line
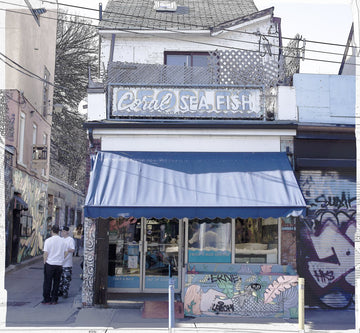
<point>178,39</point>
<point>196,25</point>
<point>12,63</point>
<point>192,24</point>
<point>197,42</point>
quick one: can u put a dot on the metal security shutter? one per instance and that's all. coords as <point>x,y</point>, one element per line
<point>325,237</point>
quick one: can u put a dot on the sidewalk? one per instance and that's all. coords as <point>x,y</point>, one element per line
<point>25,313</point>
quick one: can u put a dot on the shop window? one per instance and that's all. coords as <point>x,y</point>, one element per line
<point>26,226</point>
<point>57,215</point>
<point>209,241</point>
<point>72,216</point>
<point>256,240</point>
<point>21,138</point>
<point>66,215</point>
<point>124,251</point>
<point>46,101</point>
<point>78,217</point>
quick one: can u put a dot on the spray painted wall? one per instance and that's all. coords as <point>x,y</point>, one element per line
<point>34,193</point>
<point>244,290</point>
<point>325,249</point>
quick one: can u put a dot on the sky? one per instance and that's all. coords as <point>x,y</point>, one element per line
<point>321,21</point>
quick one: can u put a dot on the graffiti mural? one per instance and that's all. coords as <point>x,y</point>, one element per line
<point>241,294</point>
<point>325,249</point>
<point>34,194</point>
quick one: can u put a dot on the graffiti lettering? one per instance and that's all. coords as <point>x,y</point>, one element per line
<point>222,307</point>
<point>335,201</point>
<point>326,257</point>
<point>324,276</point>
<point>224,278</point>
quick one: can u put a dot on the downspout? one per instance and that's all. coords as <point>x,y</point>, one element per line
<point>111,58</point>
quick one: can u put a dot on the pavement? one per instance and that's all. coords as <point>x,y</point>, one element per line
<point>25,313</point>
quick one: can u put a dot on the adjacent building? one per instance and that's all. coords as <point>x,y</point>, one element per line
<point>28,60</point>
<point>325,161</point>
<point>28,67</point>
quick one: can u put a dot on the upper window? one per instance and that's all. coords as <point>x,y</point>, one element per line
<point>21,137</point>
<point>46,101</point>
<point>34,138</point>
<point>192,59</point>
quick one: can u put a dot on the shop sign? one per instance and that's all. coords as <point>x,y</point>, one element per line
<point>183,103</point>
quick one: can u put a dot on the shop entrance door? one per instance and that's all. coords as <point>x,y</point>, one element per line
<point>162,245</point>
<point>142,253</point>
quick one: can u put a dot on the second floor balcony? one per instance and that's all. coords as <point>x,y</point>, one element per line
<point>234,85</point>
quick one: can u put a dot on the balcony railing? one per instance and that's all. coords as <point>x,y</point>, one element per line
<point>39,153</point>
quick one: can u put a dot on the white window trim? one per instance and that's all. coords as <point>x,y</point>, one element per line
<point>22,123</point>
<point>34,134</point>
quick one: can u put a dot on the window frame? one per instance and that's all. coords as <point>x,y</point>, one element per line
<point>187,223</point>
<point>46,93</point>
<point>22,125</point>
<point>186,53</point>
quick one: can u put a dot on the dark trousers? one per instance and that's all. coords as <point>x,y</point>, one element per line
<point>52,275</point>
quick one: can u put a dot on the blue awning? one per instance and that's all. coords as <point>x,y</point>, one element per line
<point>184,184</point>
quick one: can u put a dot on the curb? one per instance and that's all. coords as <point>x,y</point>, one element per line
<point>28,262</point>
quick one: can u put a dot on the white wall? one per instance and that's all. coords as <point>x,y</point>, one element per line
<point>192,140</point>
<point>96,106</point>
<point>149,47</point>
<point>286,104</point>
<point>325,98</point>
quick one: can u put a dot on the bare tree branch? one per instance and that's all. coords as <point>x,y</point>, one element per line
<point>76,51</point>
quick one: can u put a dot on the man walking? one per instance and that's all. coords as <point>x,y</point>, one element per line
<point>67,265</point>
<point>54,253</point>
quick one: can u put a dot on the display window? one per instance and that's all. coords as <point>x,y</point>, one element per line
<point>256,240</point>
<point>209,241</point>
<point>251,240</point>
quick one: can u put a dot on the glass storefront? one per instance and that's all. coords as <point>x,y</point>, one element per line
<point>233,240</point>
<point>209,241</point>
<point>256,240</point>
<point>144,252</point>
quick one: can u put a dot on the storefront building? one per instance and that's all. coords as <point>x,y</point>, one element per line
<point>193,177</point>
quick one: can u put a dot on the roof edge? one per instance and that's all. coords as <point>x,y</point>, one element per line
<point>243,19</point>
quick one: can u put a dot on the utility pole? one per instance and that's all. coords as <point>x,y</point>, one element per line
<point>356,20</point>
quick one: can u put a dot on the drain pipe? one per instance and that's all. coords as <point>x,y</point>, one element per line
<point>171,301</point>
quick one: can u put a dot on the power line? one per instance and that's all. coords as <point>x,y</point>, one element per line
<point>8,61</point>
<point>197,42</point>
<point>183,32</point>
<point>196,25</point>
<point>179,39</point>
